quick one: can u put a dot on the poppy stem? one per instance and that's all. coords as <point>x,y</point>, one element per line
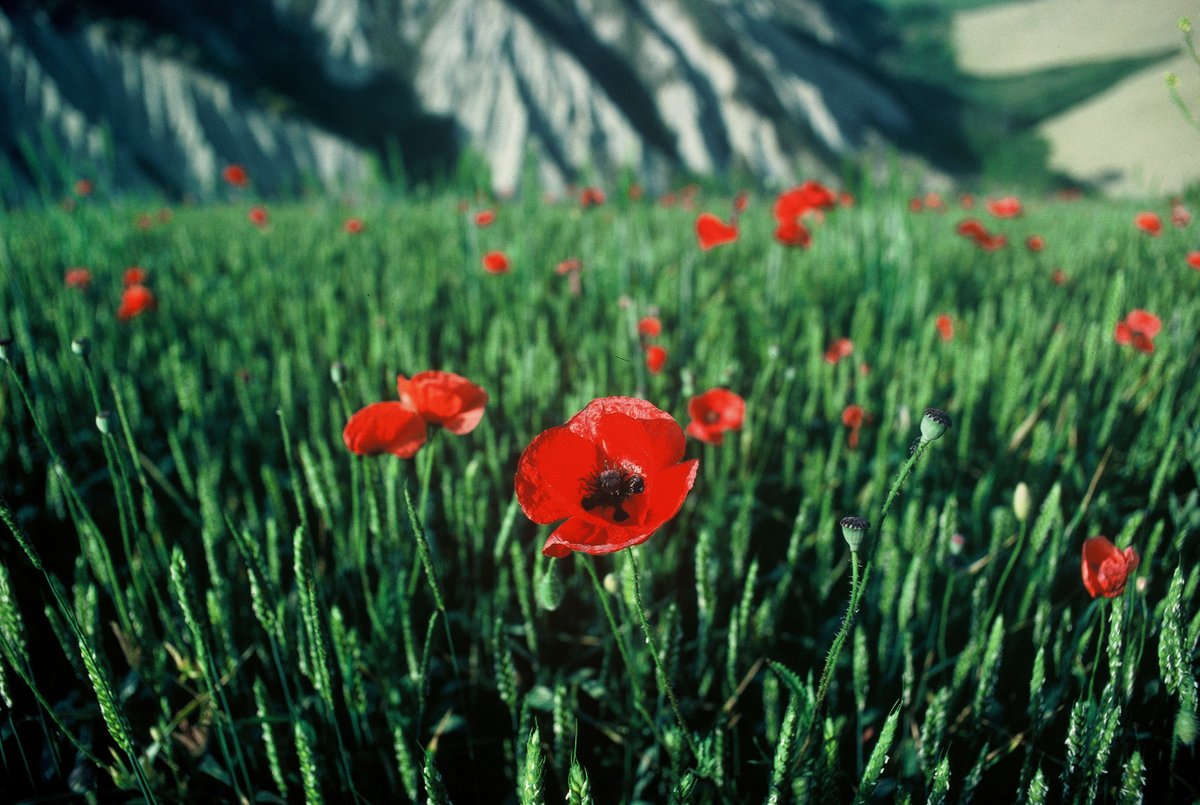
<point>664,684</point>
<point>1099,650</point>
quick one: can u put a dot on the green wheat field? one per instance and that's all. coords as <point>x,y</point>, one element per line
<point>204,596</point>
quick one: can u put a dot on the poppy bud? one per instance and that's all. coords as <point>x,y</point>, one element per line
<point>1021,502</point>
<point>853,531</point>
<point>104,422</point>
<point>6,349</point>
<point>81,346</point>
<point>337,373</point>
<point>550,589</point>
<point>957,543</point>
<point>933,424</point>
<point>612,585</point>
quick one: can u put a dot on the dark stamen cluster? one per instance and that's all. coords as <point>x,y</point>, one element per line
<point>611,487</point>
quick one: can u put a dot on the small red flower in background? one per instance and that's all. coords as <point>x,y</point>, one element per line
<point>495,263</point>
<point>258,217</point>
<point>614,472</point>
<point>1180,215</point>
<point>945,327</point>
<point>591,197</point>
<point>567,266</point>
<point>839,349</point>
<point>933,201</point>
<point>1106,567</point>
<point>1149,223</point>
<point>1139,328</point>
<point>135,300</point>
<point>649,326</point>
<point>712,231</point>
<point>1006,207</point>
<point>485,218</point>
<point>428,398</point>
<point>656,356</point>
<point>845,199</point>
<point>741,201</point>
<point>635,192</point>
<point>793,233</point>
<point>1058,276</point>
<point>134,275</point>
<point>78,278</point>
<point>976,231</point>
<point>144,222</point>
<point>714,412</point>
<point>809,197</point>
<point>235,175</point>
<point>353,225</point>
<point>852,418</point>
<point>914,204</point>
<point>1193,260</point>
<point>966,201</point>
<point>1035,243</point>
<point>83,187</point>
<point>668,199</point>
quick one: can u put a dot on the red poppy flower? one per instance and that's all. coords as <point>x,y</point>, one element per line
<point>1058,276</point>
<point>614,471</point>
<point>649,326</point>
<point>258,217</point>
<point>972,228</point>
<point>1180,216</point>
<point>353,225</point>
<point>667,199</point>
<point>1106,567</point>
<point>428,398</point>
<point>78,278</point>
<point>741,201</point>
<point>993,242</point>
<point>1193,260</point>
<point>591,197</point>
<point>656,356</point>
<point>135,300</point>
<point>1035,243</point>
<point>712,231</point>
<point>914,204</point>
<point>485,218</point>
<point>839,349</point>
<point>1149,223</point>
<point>83,187</point>
<point>1006,207</point>
<point>235,175</point>
<point>635,192</point>
<point>144,222</point>
<point>966,201</point>
<point>1139,328</point>
<point>845,199</point>
<point>793,233</point>
<point>945,327</point>
<point>714,412</point>
<point>852,418</point>
<point>799,201</point>
<point>568,265</point>
<point>495,263</point>
<point>134,275</point>
<point>933,201</point>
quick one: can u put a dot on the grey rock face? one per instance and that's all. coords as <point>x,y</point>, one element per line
<point>308,91</point>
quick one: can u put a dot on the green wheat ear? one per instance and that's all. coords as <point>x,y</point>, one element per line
<point>529,789</point>
<point>435,788</point>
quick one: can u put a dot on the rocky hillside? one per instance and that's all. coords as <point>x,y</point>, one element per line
<point>316,92</point>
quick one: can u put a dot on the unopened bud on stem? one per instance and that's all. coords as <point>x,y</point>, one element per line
<point>933,424</point>
<point>104,421</point>
<point>853,531</point>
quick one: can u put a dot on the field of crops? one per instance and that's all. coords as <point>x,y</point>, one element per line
<point>206,594</point>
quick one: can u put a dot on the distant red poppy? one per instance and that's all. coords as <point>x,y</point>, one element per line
<point>1069,194</point>
<point>649,326</point>
<point>712,231</point>
<point>78,278</point>
<point>353,225</point>
<point>668,199</point>
<point>1058,276</point>
<point>839,349</point>
<point>1006,207</point>
<point>914,204</point>
<point>235,175</point>
<point>614,472</point>
<point>485,218</point>
<point>1149,223</point>
<point>144,222</point>
<point>258,216</point>
<point>134,275</point>
<point>1180,215</point>
<point>933,201</point>
<point>496,263</point>
<point>992,242</point>
<point>591,197</point>
<point>793,233</point>
<point>945,327</point>
<point>852,418</point>
<point>1106,568</point>
<point>799,201</point>
<point>135,300</point>
<point>1138,328</point>
<point>972,228</point>
<point>966,201</point>
<point>568,265</point>
<point>845,199</point>
<point>428,398</point>
<point>164,215</point>
<point>1193,260</point>
<point>656,356</point>
<point>741,201</point>
<point>714,412</point>
<point>1035,243</point>
<point>83,187</point>
<point>636,192</point>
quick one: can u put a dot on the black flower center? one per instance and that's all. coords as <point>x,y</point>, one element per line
<point>711,417</point>
<point>611,487</point>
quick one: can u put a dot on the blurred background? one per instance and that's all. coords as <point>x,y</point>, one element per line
<point>158,96</point>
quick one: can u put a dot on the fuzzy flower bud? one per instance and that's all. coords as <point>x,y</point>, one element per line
<point>81,346</point>
<point>337,373</point>
<point>957,543</point>
<point>1021,502</point>
<point>104,420</point>
<point>853,531</point>
<point>933,424</point>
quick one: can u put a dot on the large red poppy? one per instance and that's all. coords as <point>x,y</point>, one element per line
<point>1139,328</point>
<point>1149,223</point>
<point>712,231</point>
<point>714,412</point>
<point>799,201</point>
<point>135,300</point>
<point>614,471</point>
<point>428,398</point>
<point>78,278</point>
<point>1106,567</point>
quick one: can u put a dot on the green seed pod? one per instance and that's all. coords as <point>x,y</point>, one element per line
<point>934,423</point>
<point>550,588</point>
<point>853,531</point>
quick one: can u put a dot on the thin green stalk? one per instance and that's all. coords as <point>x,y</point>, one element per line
<point>1012,561</point>
<point>1099,650</point>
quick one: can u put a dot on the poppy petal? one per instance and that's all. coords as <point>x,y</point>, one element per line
<point>668,489</point>
<point>711,231</point>
<point>587,536</point>
<point>385,427</point>
<point>550,472</point>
